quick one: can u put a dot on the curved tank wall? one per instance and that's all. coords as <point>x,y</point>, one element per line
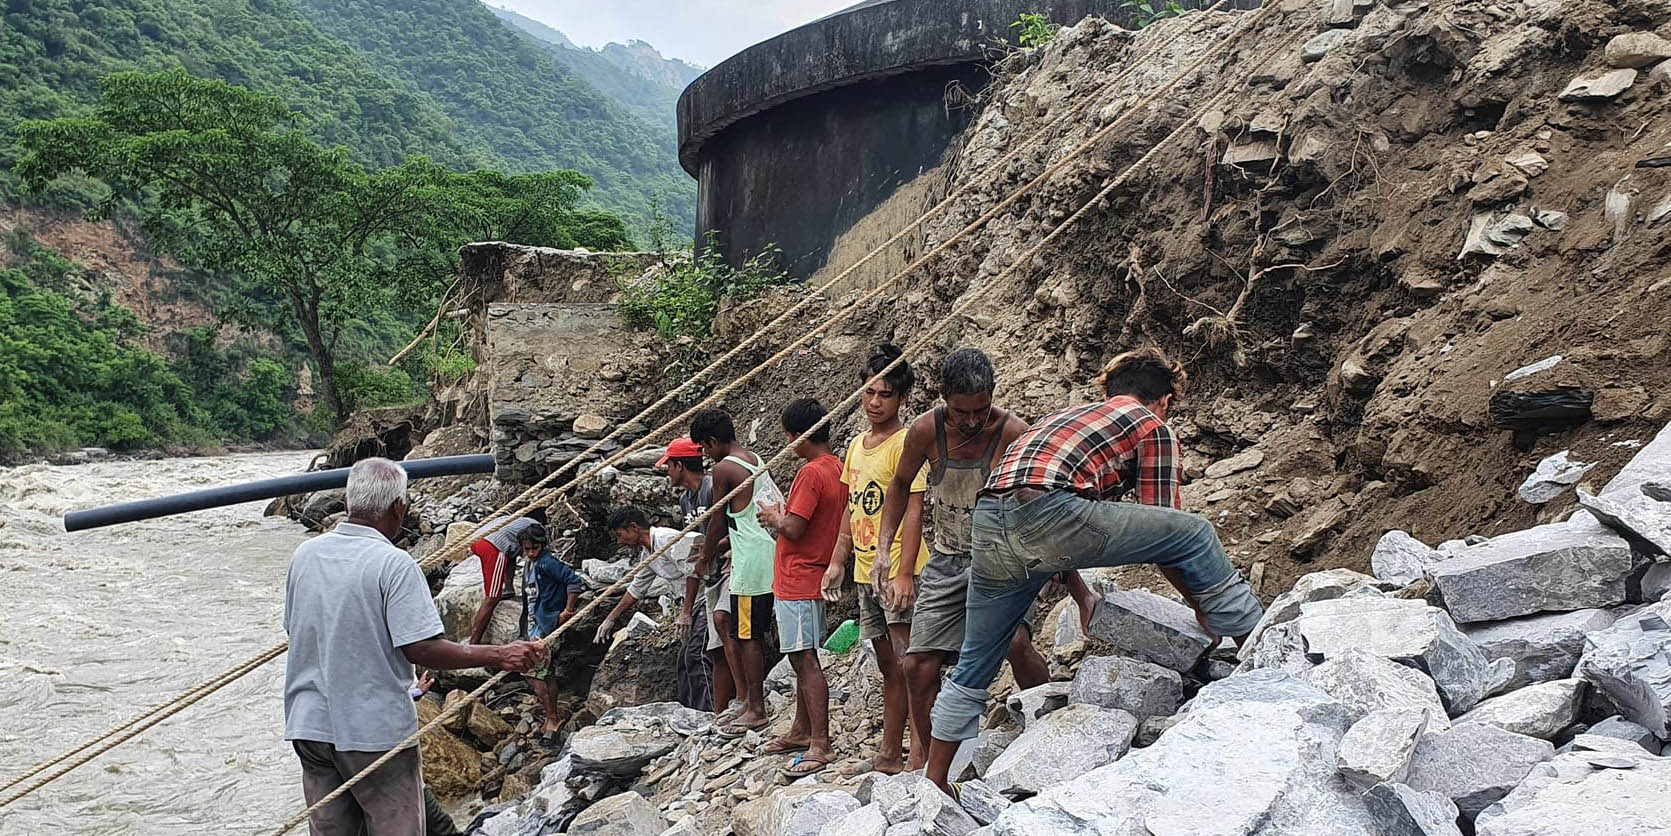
<point>797,138</point>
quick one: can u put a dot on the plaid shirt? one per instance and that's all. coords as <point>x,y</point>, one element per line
<point>1099,451</point>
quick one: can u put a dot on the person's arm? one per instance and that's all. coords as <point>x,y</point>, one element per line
<point>782,522</point>
<point>692,589</point>
<point>913,455</point>
<point>725,480</point>
<point>904,583</point>
<point>565,575</point>
<point>839,556</point>
<point>436,653</point>
<point>639,585</point>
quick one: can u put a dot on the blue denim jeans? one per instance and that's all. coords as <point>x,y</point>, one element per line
<point>1019,546</point>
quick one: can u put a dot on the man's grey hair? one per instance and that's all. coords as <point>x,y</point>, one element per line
<point>374,485</point>
<point>966,371</point>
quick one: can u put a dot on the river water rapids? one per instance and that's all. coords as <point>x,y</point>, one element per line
<point>98,626</point>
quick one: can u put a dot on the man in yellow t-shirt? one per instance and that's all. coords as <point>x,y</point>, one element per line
<point>870,464</point>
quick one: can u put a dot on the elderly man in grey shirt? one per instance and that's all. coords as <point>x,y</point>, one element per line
<point>359,616</point>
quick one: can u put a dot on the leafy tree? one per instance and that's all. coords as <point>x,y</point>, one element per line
<point>234,187</point>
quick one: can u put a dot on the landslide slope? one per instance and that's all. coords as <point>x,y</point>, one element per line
<point>1302,249</point>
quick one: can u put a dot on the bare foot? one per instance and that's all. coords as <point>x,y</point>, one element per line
<point>889,766</point>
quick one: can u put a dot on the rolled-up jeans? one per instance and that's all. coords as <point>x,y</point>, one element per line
<point>1018,546</point>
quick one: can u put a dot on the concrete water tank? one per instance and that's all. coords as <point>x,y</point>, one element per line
<point>795,139</point>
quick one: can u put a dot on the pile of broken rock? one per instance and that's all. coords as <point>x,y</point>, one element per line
<point>1507,687</point>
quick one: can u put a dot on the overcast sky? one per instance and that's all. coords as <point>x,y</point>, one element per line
<point>703,32</point>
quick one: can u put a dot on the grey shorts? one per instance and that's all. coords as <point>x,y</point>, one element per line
<point>719,600</point>
<point>942,605</point>
<point>873,620</point>
<point>800,624</point>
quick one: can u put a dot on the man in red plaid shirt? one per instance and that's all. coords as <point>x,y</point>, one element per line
<point>1052,505</point>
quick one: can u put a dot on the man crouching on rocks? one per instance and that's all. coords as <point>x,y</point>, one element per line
<point>359,616</point>
<point>1052,506</point>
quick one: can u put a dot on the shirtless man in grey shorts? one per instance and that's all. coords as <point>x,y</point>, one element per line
<point>960,442</point>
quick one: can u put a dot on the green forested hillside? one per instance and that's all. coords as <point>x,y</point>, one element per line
<point>53,52</point>
<point>385,78</point>
<point>509,95</point>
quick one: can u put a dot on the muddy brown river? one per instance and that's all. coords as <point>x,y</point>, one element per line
<point>98,626</point>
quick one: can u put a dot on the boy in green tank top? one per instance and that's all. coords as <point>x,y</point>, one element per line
<point>752,552</point>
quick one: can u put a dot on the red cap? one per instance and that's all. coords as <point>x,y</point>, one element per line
<point>679,448</point>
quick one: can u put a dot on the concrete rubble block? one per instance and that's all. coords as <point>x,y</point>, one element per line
<point>1408,632</point>
<point>1037,701</point>
<point>1377,749</point>
<point>1543,647</point>
<point>1583,794</point>
<point>1636,50</point>
<point>1367,683</point>
<point>803,812</point>
<point>1316,586</point>
<point>1622,729</point>
<point>1474,764</point>
<point>909,798</point>
<point>1656,582</point>
<point>602,573</point>
<point>1319,47</point>
<point>1493,234</point>
<point>1553,476</point>
<point>1142,625</point>
<point>1650,465</point>
<point>619,750</point>
<point>1401,559</point>
<point>981,802</point>
<point>1550,568</point>
<point>1602,746</point>
<point>1400,810</point>
<point>626,814</point>
<point>865,821</point>
<point>991,744</point>
<point>1060,747</point>
<point>1233,768</point>
<point>1630,664</point>
<point>1143,689</point>
<point>680,719</point>
<point>1598,87</point>
<point>1544,711</point>
<point>1641,520</point>
<point>1311,702</point>
<point>1279,648</point>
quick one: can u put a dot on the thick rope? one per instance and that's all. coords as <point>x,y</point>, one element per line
<point>922,341</point>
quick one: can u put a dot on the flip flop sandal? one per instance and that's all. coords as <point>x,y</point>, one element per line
<point>804,765</point>
<point>781,747</point>
<point>732,731</point>
<point>957,790</point>
<point>548,740</point>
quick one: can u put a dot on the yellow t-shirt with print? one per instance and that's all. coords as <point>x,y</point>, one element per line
<point>867,474</point>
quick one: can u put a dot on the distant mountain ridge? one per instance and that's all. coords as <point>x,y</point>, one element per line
<point>635,74</point>
<point>647,61</point>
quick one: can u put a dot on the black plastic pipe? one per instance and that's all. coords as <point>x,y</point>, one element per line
<point>320,480</point>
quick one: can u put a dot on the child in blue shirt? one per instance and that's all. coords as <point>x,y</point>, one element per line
<point>557,592</point>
